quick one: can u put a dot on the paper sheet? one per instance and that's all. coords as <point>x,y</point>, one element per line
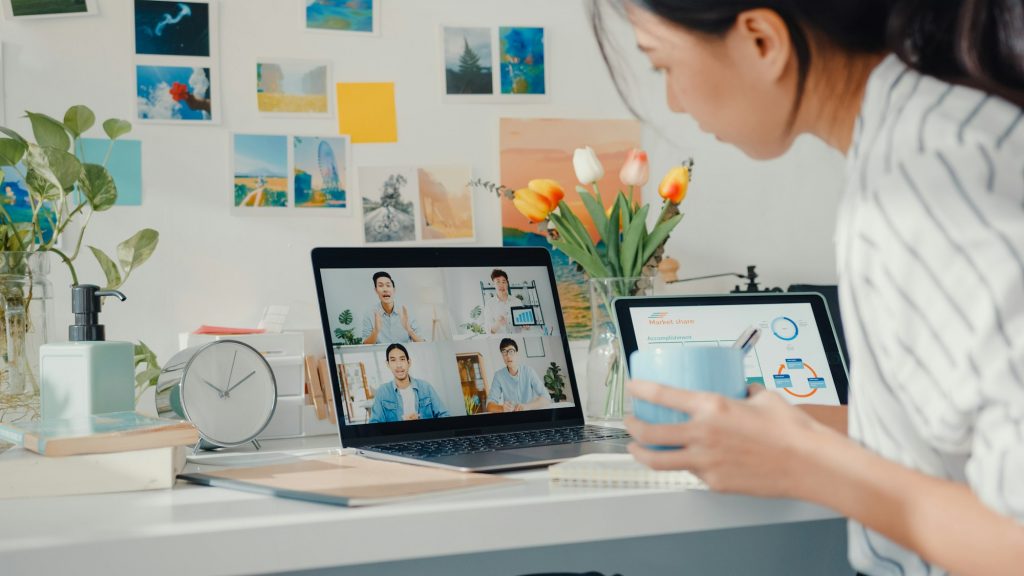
<point>366,111</point>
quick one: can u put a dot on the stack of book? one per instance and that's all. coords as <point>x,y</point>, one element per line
<point>115,452</point>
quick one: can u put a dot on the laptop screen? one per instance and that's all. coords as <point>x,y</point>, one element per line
<point>796,355</point>
<point>421,347</point>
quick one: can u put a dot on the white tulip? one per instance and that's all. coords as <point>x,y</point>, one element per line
<point>588,167</point>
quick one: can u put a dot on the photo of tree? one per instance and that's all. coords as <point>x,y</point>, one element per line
<point>467,61</point>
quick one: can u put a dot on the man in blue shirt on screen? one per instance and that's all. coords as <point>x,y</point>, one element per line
<point>515,388</point>
<point>386,322</point>
<point>405,397</point>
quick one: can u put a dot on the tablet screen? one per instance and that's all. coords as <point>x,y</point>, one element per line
<point>790,357</point>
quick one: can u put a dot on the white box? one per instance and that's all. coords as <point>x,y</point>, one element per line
<point>287,420</point>
<point>270,345</point>
<point>312,426</point>
<point>290,374</point>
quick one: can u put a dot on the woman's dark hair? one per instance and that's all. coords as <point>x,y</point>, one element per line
<point>977,43</point>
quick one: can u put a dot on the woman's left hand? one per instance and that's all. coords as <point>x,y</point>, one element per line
<point>760,445</point>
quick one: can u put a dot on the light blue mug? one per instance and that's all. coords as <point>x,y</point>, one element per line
<point>699,368</point>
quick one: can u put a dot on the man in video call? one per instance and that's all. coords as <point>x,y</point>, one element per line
<point>498,310</point>
<point>514,387</point>
<point>386,321</point>
<point>405,397</point>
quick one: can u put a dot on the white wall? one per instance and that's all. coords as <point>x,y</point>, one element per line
<point>215,268</point>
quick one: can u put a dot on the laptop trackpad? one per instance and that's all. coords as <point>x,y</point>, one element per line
<point>564,451</point>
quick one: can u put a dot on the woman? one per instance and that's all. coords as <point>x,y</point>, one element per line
<point>924,99</point>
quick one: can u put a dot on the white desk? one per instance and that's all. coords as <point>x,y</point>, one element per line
<point>527,528</point>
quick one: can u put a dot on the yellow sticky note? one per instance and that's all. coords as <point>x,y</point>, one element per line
<point>366,111</point>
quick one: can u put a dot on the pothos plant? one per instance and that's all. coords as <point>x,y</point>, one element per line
<point>62,193</point>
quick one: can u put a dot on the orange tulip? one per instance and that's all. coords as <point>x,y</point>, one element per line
<point>532,205</point>
<point>549,190</point>
<point>673,186</point>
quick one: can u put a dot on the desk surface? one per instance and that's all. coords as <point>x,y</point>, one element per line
<point>200,530</point>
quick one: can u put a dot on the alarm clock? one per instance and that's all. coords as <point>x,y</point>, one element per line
<point>225,388</point>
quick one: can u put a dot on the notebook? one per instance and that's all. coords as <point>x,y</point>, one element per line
<point>619,471</point>
<point>98,433</point>
<point>345,480</point>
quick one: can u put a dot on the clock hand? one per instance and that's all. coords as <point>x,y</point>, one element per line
<point>232,369</point>
<point>214,386</point>
<point>228,391</point>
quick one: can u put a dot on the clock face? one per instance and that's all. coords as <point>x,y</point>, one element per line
<point>228,392</point>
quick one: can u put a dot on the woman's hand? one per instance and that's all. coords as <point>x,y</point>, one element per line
<point>760,445</point>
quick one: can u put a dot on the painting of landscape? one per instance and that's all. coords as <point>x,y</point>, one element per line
<point>543,148</point>
<point>292,87</point>
<point>261,171</point>
<point>50,8</point>
<point>446,203</point>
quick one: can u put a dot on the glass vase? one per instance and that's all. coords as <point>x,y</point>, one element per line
<point>606,366</point>
<point>26,294</point>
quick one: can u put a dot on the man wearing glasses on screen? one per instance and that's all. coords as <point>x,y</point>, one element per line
<point>515,388</point>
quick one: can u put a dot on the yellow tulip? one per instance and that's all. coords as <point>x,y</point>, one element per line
<point>673,186</point>
<point>531,204</point>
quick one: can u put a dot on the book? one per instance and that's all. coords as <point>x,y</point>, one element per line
<point>619,471</point>
<point>25,474</point>
<point>346,480</point>
<point>98,433</point>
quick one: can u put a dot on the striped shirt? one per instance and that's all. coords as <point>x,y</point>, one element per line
<point>930,246</point>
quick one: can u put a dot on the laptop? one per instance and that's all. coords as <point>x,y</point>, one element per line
<point>797,355</point>
<point>452,357</point>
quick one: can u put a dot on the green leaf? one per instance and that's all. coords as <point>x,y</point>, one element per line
<point>137,249</point>
<point>64,166</point>
<point>110,270</point>
<point>42,185</point>
<point>612,240</point>
<point>11,151</point>
<point>99,187</point>
<point>115,128</point>
<point>145,378</point>
<point>596,210</point>
<point>13,135</point>
<point>631,241</point>
<point>659,235</point>
<point>590,262</point>
<point>49,132</point>
<point>625,212</point>
<point>78,119</point>
<point>345,317</point>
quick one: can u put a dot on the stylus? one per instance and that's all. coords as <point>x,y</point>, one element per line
<point>747,339</point>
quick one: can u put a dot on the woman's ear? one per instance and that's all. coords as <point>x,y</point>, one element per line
<point>761,40</point>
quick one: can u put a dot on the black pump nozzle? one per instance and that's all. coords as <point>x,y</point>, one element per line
<point>85,305</point>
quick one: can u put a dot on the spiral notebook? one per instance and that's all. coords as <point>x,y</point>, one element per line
<point>619,471</point>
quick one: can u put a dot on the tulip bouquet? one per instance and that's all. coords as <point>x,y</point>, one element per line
<point>626,248</point>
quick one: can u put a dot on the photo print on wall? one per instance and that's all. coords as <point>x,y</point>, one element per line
<point>293,87</point>
<point>446,203</point>
<point>468,66</point>
<point>390,203</point>
<point>174,93</point>
<point>172,28</point>
<point>48,8</point>
<point>321,173</point>
<point>349,16</point>
<point>521,59</point>
<point>260,171</point>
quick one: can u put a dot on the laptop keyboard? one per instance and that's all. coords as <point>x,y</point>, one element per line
<point>507,440</point>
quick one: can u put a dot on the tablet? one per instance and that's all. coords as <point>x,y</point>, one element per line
<point>797,355</point>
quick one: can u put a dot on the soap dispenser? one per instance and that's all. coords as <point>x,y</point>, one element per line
<point>86,375</point>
